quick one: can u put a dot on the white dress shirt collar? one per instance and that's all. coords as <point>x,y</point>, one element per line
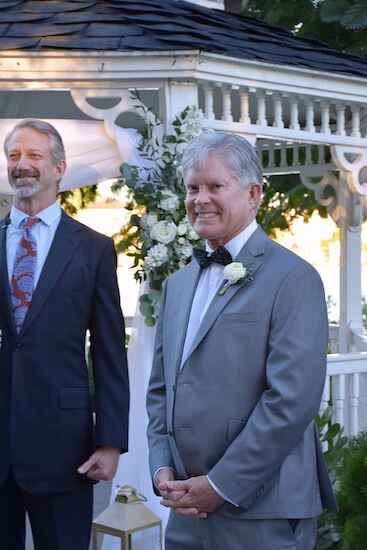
<point>47,215</point>
<point>235,245</point>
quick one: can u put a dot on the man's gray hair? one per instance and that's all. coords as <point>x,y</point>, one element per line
<point>56,144</point>
<point>235,152</point>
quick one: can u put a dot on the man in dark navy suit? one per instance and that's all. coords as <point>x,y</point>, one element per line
<point>57,281</point>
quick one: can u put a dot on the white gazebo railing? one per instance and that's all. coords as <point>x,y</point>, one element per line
<point>346,388</point>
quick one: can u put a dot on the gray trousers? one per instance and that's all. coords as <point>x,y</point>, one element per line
<point>222,533</point>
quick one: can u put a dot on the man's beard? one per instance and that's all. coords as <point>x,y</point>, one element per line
<point>25,191</point>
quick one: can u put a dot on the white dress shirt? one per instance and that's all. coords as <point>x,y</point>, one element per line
<point>211,279</point>
<point>43,233</point>
<point>209,283</point>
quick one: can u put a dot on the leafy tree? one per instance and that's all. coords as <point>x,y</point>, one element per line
<point>341,24</point>
<point>76,199</point>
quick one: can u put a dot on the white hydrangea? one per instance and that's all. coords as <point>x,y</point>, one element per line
<point>183,250</point>
<point>148,220</point>
<point>164,232</point>
<point>156,256</point>
<point>171,201</point>
<point>182,229</point>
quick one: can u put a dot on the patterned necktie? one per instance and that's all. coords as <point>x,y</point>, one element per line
<point>22,280</point>
<point>219,256</point>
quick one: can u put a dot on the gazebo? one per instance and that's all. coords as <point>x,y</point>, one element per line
<point>78,60</point>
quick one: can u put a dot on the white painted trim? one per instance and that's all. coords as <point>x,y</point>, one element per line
<point>346,363</point>
<point>32,70</point>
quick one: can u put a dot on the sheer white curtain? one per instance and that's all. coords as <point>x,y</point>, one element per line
<point>91,154</point>
<point>133,467</point>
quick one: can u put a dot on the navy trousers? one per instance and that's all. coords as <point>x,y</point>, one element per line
<point>60,521</point>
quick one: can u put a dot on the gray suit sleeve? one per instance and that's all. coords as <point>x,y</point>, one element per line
<point>295,373</point>
<point>159,450</point>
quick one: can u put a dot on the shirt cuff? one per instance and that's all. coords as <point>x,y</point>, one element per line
<point>219,492</point>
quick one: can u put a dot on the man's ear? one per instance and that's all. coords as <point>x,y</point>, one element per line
<point>60,168</point>
<point>255,194</point>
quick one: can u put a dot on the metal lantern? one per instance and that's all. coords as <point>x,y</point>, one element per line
<point>125,516</point>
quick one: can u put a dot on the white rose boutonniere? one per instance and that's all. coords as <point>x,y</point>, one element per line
<point>235,272</point>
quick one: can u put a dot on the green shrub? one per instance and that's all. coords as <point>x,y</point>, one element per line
<point>352,494</point>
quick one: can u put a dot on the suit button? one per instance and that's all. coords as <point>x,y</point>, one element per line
<point>170,433</point>
<point>18,347</point>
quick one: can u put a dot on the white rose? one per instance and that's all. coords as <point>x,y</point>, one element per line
<point>234,272</point>
<point>164,232</point>
<point>170,203</point>
<point>181,229</point>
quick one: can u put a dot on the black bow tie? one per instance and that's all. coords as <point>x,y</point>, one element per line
<point>219,256</point>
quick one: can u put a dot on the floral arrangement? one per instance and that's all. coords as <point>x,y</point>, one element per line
<point>158,235</point>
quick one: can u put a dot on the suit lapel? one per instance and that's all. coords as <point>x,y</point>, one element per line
<point>181,314</point>
<point>65,241</point>
<point>4,283</point>
<point>251,256</point>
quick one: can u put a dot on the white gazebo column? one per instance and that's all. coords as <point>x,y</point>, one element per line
<point>344,206</point>
<point>350,265</point>
<point>174,97</point>
<point>351,200</point>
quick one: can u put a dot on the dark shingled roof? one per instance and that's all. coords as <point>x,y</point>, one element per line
<point>161,25</point>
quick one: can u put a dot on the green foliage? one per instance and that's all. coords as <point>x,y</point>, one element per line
<point>284,199</point>
<point>331,434</point>
<point>352,494</point>
<point>158,235</point>
<point>76,199</point>
<point>327,20</point>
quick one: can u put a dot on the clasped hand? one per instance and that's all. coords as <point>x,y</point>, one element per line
<point>191,497</point>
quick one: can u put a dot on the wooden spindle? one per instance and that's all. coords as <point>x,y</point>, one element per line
<point>295,159</point>
<point>261,108</point>
<point>353,401</point>
<point>325,117</point>
<point>209,102</point>
<point>271,163</point>
<point>245,106</point>
<point>293,101</point>
<point>278,111</point>
<point>308,155</point>
<point>283,154</point>
<point>227,104</point>
<point>321,151</point>
<point>340,119</point>
<point>356,122</point>
<point>310,115</point>
<point>260,152</point>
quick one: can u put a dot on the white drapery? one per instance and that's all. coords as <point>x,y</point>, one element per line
<point>133,467</point>
<point>91,154</point>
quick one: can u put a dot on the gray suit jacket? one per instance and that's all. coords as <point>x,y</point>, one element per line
<point>241,408</point>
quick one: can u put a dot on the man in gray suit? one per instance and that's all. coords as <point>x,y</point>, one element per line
<point>238,372</point>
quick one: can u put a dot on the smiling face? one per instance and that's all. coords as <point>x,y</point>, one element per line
<point>32,173</point>
<point>218,207</point>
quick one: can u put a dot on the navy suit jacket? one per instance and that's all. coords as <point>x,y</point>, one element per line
<point>46,420</point>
